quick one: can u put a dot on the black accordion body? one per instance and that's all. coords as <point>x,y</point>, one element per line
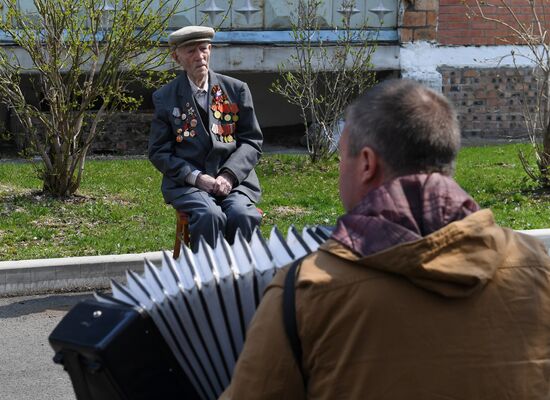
<point>177,330</point>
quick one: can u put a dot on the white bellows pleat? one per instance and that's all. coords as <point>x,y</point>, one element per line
<point>203,302</point>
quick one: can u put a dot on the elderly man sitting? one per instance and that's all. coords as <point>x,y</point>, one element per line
<point>206,141</point>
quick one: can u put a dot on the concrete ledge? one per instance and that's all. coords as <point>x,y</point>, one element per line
<point>541,234</point>
<point>39,276</point>
<point>46,275</point>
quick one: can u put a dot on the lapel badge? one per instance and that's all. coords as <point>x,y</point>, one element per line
<point>179,138</point>
<point>176,112</point>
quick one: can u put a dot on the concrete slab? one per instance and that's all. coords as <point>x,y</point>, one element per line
<point>73,273</point>
<point>542,234</point>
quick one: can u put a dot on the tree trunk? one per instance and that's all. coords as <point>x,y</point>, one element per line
<point>544,166</point>
<point>61,178</point>
<point>57,181</point>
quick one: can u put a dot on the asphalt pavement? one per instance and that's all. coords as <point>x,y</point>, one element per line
<point>27,371</point>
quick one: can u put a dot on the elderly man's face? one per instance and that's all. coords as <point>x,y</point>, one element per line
<point>194,59</point>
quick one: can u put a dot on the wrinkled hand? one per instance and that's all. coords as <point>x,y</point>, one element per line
<point>224,184</point>
<point>207,183</point>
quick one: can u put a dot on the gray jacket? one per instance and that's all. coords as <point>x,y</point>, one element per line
<point>205,150</point>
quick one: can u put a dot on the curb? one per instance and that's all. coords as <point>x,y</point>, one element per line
<point>541,234</point>
<point>73,273</point>
<point>95,272</point>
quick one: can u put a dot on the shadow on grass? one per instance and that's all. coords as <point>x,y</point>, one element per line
<point>537,193</point>
<point>39,196</point>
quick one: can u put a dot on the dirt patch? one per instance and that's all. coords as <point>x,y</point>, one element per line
<point>286,211</point>
<point>10,194</point>
<point>11,190</point>
<point>64,224</point>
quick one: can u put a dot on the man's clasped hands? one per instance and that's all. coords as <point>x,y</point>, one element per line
<point>219,186</point>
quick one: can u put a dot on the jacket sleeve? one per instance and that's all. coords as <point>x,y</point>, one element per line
<point>266,368</point>
<point>249,139</point>
<point>161,145</point>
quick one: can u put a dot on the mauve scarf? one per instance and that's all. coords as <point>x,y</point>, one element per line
<point>403,210</point>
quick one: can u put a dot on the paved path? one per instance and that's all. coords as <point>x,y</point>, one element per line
<point>27,371</point>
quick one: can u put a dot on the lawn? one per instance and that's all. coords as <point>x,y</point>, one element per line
<point>120,208</point>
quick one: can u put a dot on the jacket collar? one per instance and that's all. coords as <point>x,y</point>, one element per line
<point>403,210</point>
<point>456,261</point>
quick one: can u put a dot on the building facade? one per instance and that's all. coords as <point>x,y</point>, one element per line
<point>434,41</point>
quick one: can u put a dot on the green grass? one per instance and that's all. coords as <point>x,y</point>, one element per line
<point>121,209</point>
<point>494,177</point>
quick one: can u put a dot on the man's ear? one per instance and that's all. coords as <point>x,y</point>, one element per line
<point>174,56</point>
<point>370,165</point>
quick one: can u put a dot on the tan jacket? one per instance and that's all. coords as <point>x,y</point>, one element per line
<point>463,313</point>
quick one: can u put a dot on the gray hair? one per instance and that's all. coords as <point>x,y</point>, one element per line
<point>412,128</point>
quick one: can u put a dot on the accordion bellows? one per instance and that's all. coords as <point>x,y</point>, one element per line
<point>203,302</point>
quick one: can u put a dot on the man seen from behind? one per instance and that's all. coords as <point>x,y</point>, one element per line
<point>418,294</point>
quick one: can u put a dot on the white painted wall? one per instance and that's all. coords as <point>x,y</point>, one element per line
<point>419,61</point>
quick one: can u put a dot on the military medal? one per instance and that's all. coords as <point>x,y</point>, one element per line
<point>189,120</point>
<point>226,113</point>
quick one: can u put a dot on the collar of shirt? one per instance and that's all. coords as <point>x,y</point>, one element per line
<point>200,94</point>
<point>198,90</point>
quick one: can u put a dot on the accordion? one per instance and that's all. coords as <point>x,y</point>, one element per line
<point>177,330</point>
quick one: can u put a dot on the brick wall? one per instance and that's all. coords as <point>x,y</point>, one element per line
<point>489,102</point>
<point>125,133</point>
<point>457,25</point>
<point>418,21</point>
<point>128,134</point>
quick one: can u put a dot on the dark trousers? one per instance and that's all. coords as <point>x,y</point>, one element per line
<point>209,215</point>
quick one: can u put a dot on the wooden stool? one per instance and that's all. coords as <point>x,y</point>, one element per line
<point>182,230</point>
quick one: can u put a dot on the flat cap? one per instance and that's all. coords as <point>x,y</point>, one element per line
<point>190,34</point>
